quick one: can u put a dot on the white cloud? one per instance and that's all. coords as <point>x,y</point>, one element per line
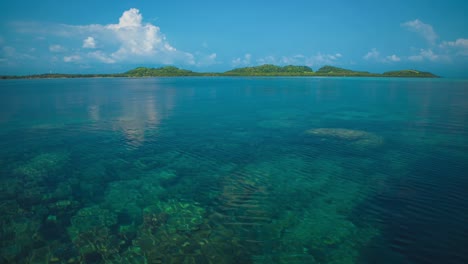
<point>89,43</point>
<point>425,30</point>
<point>429,55</point>
<point>56,48</point>
<point>463,43</point>
<point>129,41</point>
<point>322,59</point>
<point>292,60</point>
<point>460,46</point>
<point>212,56</point>
<point>100,56</point>
<point>415,58</point>
<point>72,58</point>
<point>319,59</point>
<point>393,58</point>
<point>130,18</point>
<point>299,59</point>
<point>138,41</point>
<point>268,60</point>
<point>206,60</point>
<point>242,61</point>
<point>372,54</point>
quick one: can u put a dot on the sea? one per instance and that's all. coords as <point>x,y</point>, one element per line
<point>234,170</point>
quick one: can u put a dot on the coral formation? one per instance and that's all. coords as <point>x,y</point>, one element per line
<point>179,216</point>
<point>42,165</point>
<point>169,208</point>
<point>357,138</point>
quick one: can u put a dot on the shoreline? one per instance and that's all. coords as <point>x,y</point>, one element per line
<point>266,70</point>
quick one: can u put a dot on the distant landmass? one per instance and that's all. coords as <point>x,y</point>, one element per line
<point>262,70</point>
<point>271,70</point>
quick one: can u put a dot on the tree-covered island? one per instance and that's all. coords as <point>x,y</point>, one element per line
<point>262,70</point>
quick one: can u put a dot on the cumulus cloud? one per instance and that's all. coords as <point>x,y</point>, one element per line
<point>318,59</point>
<point>137,38</point>
<point>57,48</point>
<point>295,59</point>
<point>393,58</point>
<point>72,58</point>
<point>416,58</point>
<point>429,55</point>
<point>212,56</point>
<point>268,60</point>
<point>425,30</point>
<point>101,56</point>
<point>372,54</point>
<point>206,59</point>
<point>131,40</point>
<point>322,59</point>
<point>130,18</point>
<point>459,46</point>
<point>89,43</point>
<point>242,61</point>
<point>463,43</point>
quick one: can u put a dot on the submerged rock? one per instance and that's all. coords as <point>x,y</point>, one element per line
<point>181,216</point>
<point>92,233</point>
<point>124,197</point>
<point>42,165</point>
<point>61,205</point>
<point>356,138</point>
<point>165,177</point>
<point>91,218</point>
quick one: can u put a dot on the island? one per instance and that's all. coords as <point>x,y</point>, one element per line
<point>271,70</point>
<point>262,70</point>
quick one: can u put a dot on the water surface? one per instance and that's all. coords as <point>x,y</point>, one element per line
<point>234,170</point>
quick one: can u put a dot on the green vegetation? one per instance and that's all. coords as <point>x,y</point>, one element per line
<point>164,71</point>
<point>61,75</point>
<point>271,70</point>
<point>409,73</point>
<point>262,70</point>
<point>335,71</point>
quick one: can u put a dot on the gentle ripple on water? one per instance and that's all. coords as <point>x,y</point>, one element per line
<point>233,170</point>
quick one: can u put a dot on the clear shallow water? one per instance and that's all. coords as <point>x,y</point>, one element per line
<point>234,170</point>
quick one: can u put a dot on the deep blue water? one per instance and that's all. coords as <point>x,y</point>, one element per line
<point>234,170</point>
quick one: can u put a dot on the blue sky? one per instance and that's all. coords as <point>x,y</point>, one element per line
<point>107,36</point>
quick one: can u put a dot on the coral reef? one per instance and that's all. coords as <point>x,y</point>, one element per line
<point>179,216</point>
<point>91,235</point>
<point>357,138</point>
<point>173,207</point>
<point>89,218</point>
<point>42,165</point>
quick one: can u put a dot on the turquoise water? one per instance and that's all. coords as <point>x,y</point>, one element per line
<point>234,170</point>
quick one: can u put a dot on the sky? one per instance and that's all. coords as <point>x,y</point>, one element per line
<point>110,36</point>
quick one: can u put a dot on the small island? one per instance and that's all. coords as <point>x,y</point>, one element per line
<point>262,70</point>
